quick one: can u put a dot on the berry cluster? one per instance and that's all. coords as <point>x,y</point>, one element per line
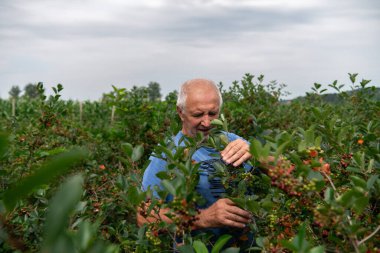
<point>184,215</point>
<point>345,160</point>
<point>323,168</point>
<point>281,176</point>
<point>152,235</point>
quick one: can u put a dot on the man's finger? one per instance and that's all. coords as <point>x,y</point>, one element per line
<point>242,159</point>
<point>229,147</point>
<point>235,224</point>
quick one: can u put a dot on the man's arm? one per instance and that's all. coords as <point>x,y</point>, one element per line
<point>143,217</point>
<point>222,213</point>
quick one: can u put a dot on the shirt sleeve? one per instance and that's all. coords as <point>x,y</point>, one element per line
<point>232,137</point>
<point>150,179</point>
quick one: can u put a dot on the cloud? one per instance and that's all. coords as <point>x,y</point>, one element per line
<point>89,45</point>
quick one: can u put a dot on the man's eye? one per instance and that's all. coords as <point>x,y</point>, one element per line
<point>197,115</point>
<point>212,113</point>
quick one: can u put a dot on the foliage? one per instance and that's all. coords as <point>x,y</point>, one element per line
<point>154,91</point>
<point>14,91</point>
<point>31,91</point>
<point>71,175</point>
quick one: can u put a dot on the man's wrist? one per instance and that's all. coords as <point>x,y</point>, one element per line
<point>200,220</point>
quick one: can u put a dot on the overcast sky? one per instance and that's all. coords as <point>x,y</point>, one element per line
<point>87,46</point>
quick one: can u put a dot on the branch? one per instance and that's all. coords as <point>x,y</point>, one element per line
<point>331,182</point>
<point>369,237</point>
<point>354,238</point>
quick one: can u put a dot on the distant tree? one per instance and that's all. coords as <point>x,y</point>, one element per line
<point>31,91</point>
<point>139,92</point>
<point>172,97</point>
<point>154,91</point>
<point>15,91</point>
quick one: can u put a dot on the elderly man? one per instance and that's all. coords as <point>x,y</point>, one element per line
<point>199,102</point>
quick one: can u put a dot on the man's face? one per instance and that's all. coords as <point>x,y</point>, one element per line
<point>202,106</point>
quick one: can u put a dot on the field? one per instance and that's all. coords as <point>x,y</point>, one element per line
<point>71,172</point>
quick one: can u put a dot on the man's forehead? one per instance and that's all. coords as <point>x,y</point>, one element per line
<point>201,90</point>
<point>201,107</point>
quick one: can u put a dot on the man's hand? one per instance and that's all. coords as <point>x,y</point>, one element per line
<point>236,152</point>
<point>223,213</point>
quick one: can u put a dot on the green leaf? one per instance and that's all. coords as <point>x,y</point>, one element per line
<point>353,169</point>
<point>371,181</point>
<point>133,195</point>
<point>222,240</point>
<point>318,141</point>
<point>56,151</point>
<point>329,195</point>
<point>289,245</point>
<point>352,77</point>
<point>200,247</point>
<point>224,139</point>
<point>48,171</point>
<point>364,82</point>
<point>169,187</point>
<point>318,249</point>
<point>163,175</point>
<point>127,148</point>
<point>317,86</point>
<point>316,175</point>
<point>252,206</point>
<point>360,204</point>
<point>265,151</point>
<point>231,250</point>
<point>255,149</point>
<point>240,202</point>
<point>359,160</point>
<point>217,122</point>
<point>370,165</point>
<point>346,198</point>
<point>267,204</point>
<point>316,111</point>
<point>300,240</point>
<point>309,137</point>
<point>281,148</point>
<point>85,235</point>
<point>164,150</point>
<point>301,146</point>
<point>186,249</point>
<point>260,241</point>
<point>357,181</point>
<point>60,208</point>
<point>137,153</point>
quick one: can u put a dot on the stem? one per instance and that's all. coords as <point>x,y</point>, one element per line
<point>354,238</point>
<point>369,237</point>
<point>331,183</point>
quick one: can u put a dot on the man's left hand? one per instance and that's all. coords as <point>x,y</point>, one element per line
<point>236,152</point>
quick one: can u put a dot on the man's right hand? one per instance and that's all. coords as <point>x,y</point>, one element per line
<point>223,213</point>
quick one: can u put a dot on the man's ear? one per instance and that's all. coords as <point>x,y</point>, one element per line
<point>180,112</point>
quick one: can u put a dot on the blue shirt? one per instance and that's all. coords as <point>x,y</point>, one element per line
<point>210,188</point>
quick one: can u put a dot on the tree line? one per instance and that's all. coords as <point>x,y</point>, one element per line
<point>152,92</point>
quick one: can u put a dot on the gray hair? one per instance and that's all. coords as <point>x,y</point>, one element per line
<point>182,95</point>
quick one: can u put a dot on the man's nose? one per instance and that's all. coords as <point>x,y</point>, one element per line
<point>206,121</point>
